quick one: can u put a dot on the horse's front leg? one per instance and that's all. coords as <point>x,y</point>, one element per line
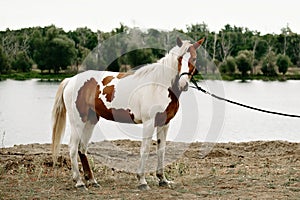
<point>161,147</point>
<point>148,130</point>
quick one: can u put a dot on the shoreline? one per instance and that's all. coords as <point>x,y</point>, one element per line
<point>153,141</point>
<point>224,77</point>
<point>248,170</point>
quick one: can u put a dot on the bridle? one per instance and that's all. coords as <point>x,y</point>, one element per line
<point>191,74</point>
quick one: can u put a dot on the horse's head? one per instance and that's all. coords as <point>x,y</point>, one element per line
<point>187,61</point>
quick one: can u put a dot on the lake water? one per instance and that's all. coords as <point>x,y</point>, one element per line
<point>25,114</point>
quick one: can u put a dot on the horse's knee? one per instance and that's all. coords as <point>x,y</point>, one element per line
<point>73,153</point>
<point>82,148</point>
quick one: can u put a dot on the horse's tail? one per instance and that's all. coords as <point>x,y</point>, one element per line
<point>58,119</point>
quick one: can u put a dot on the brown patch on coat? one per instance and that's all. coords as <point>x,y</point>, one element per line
<point>85,102</point>
<point>91,107</point>
<point>124,74</point>
<point>163,118</point>
<point>179,64</point>
<point>107,80</point>
<point>113,114</point>
<point>109,92</point>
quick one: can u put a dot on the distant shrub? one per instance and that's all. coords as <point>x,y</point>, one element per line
<point>243,61</point>
<point>228,67</point>
<point>283,62</point>
<point>268,66</point>
<point>22,62</point>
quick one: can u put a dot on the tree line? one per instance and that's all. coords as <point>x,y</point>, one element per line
<point>232,49</point>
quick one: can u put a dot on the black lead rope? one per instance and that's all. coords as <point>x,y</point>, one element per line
<point>239,104</point>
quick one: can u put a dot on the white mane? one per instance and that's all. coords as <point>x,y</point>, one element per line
<point>164,69</point>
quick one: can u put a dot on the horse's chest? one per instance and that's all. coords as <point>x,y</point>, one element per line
<point>163,118</point>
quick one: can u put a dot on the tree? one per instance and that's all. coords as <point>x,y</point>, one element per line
<point>22,62</point>
<point>225,44</point>
<point>228,66</point>
<point>260,49</point>
<point>61,53</point>
<point>4,65</point>
<point>82,53</point>
<point>268,66</point>
<point>84,37</point>
<point>223,67</point>
<point>283,62</point>
<point>39,47</point>
<point>234,39</point>
<point>231,65</point>
<point>244,61</point>
<point>293,48</point>
<point>54,50</point>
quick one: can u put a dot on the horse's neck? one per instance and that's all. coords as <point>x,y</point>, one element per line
<point>169,67</point>
<point>163,72</point>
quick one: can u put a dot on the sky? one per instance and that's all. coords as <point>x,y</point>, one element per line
<point>265,16</point>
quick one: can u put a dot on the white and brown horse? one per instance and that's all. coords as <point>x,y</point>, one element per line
<point>148,96</point>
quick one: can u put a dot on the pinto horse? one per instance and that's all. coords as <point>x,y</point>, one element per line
<point>148,95</point>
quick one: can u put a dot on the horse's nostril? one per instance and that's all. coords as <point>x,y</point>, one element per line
<point>186,87</point>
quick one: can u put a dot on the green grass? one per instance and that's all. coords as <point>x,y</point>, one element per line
<point>35,75</point>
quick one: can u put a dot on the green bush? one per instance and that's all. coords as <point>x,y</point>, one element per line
<point>283,62</point>
<point>243,62</point>
<point>4,64</point>
<point>268,66</point>
<point>228,67</point>
<point>22,62</point>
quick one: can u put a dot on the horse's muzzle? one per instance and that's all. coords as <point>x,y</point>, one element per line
<point>186,87</point>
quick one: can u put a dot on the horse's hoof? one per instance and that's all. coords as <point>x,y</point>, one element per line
<point>95,184</point>
<point>143,187</point>
<point>81,187</point>
<point>92,183</point>
<point>165,183</point>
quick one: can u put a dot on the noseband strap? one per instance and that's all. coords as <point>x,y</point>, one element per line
<point>186,73</point>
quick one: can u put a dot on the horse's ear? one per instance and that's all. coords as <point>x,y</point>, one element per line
<point>179,42</point>
<point>198,43</point>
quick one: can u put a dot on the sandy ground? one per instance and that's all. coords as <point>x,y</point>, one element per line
<point>252,170</point>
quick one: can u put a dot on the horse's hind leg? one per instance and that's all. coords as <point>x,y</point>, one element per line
<point>88,173</point>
